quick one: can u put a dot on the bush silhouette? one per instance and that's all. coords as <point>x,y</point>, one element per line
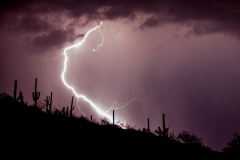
<point>233,146</point>
<point>189,138</point>
<point>105,121</point>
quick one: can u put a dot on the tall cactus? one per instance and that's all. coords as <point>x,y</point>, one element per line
<point>49,104</point>
<point>113,117</point>
<point>164,131</point>
<point>72,108</point>
<point>148,126</point>
<point>20,96</point>
<point>35,94</point>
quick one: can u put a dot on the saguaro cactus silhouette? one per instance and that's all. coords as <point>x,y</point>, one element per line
<point>20,96</point>
<point>164,131</point>
<point>49,104</point>
<point>35,94</point>
<point>113,117</point>
<point>72,108</point>
<point>148,126</point>
<point>163,120</point>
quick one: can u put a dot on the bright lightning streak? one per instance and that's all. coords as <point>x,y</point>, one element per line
<point>79,108</point>
<point>72,88</point>
<point>65,68</point>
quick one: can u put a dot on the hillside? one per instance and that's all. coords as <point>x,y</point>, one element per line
<point>27,131</point>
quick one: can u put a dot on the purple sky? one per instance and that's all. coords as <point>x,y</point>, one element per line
<point>180,58</point>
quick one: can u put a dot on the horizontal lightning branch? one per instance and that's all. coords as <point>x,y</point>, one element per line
<point>115,103</point>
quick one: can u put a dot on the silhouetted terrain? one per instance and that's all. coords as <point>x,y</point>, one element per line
<point>27,131</point>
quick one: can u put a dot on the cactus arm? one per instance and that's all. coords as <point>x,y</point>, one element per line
<point>19,96</point>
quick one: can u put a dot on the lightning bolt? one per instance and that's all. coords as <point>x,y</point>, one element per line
<point>93,105</point>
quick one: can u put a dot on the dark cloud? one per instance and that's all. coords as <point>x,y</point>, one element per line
<point>201,16</point>
<point>150,22</point>
<point>54,38</point>
<point>30,24</point>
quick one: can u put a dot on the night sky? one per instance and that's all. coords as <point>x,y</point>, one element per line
<point>180,57</point>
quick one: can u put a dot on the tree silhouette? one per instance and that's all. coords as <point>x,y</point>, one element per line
<point>233,147</point>
<point>189,138</point>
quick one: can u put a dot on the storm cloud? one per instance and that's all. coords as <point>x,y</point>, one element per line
<point>42,19</point>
